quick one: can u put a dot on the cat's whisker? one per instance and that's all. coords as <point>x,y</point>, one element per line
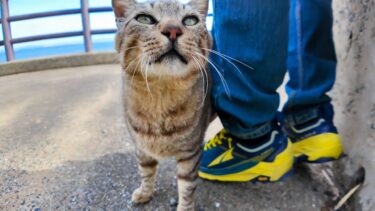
<point>226,87</point>
<point>203,69</point>
<point>207,78</point>
<point>134,60</point>
<point>141,68</point>
<point>126,49</point>
<point>204,86</point>
<point>230,62</point>
<point>139,60</point>
<point>135,70</point>
<point>146,72</point>
<point>228,57</point>
<point>123,52</point>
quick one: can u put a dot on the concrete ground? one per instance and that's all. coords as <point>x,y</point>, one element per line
<point>63,146</point>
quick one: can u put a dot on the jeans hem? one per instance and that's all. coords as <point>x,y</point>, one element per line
<point>252,133</point>
<point>300,117</point>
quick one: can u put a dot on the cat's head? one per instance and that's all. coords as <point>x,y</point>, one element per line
<point>162,37</point>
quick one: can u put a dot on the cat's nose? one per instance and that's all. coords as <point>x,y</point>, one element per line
<point>172,32</point>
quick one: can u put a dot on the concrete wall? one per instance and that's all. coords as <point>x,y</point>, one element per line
<point>46,63</point>
<point>354,92</point>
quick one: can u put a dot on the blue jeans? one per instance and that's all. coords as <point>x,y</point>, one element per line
<point>255,32</point>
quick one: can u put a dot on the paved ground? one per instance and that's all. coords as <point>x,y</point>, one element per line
<point>63,146</point>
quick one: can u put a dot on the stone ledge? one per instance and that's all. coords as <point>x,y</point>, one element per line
<point>47,63</point>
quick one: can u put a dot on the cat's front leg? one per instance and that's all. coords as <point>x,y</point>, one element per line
<point>187,176</point>
<point>147,168</point>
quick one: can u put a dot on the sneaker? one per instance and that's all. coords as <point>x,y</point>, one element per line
<point>227,158</point>
<point>317,140</point>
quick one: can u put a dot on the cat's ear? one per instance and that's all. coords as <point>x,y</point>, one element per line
<point>201,5</point>
<point>120,7</point>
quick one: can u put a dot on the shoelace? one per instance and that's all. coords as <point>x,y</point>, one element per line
<point>218,140</point>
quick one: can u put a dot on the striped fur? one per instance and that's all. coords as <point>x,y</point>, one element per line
<point>165,103</point>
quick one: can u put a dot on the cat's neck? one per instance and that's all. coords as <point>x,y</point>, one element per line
<point>159,86</point>
<point>160,95</point>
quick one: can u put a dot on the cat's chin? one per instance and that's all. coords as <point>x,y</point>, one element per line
<point>173,67</point>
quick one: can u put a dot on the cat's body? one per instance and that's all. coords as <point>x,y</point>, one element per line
<point>170,123</point>
<point>161,45</point>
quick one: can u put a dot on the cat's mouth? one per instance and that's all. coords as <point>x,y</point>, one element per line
<point>171,55</point>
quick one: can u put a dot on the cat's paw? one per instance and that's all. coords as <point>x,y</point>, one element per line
<point>141,196</point>
<point>185,208</point>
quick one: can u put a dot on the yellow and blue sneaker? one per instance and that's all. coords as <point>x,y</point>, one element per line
<point>317,140</point>
<point>227,158</point>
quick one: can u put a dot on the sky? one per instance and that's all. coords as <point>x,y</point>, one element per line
<point>58,24</point>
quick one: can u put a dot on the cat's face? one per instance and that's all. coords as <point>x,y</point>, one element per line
<point>162,37</point>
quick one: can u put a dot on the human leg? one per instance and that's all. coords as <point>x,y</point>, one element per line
<point>308,114</point>
<point>251,147</point>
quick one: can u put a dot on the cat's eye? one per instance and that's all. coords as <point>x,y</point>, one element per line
<point>145,19</point>
<point>190,21</point>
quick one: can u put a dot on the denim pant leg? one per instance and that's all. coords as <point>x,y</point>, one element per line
<point>311,59</point>
<point>256,33</point>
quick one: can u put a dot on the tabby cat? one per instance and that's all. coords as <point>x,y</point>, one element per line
<point>162,46</point>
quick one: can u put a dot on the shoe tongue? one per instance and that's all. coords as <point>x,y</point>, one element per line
<point>259,144</point>
<point>308,124</point>
<point>265,140</point>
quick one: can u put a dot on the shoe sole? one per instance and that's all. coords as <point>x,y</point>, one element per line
<point>264,172</point>
<point>266,180</point>
<point>318,149</point>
